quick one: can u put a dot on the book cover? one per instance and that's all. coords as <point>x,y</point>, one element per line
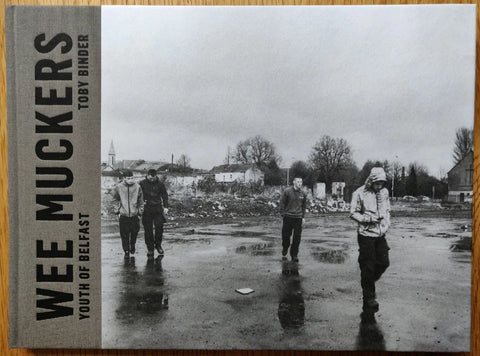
<point>289,178</point>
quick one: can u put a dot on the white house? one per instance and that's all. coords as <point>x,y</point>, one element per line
<point>460,180</point>
<point>242,173</point>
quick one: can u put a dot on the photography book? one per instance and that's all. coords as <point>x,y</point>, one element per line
<point>278,177</point>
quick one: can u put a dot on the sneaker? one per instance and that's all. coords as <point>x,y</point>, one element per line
<point>295,259</point>
<point>160,250</point>
<point>127,254</point>
<point>284,252</point>
<point>132,250</point>
<point>150,254</point>
<point>371,305</point>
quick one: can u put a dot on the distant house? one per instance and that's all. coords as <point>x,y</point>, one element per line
<point>145,166</point>
<point>460,180</point>
<point>242,173</point>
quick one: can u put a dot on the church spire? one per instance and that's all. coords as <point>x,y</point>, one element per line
<point>111,155</point>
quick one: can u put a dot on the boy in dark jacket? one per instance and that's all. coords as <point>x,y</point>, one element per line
<point>292,208</point>
<point>156,207</point>
<point>129,199</point>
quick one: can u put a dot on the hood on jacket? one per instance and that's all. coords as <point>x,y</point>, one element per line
<point>377,174</point>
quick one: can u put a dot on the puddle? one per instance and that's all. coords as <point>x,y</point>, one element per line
<point>291,311</point>
<point>152,302</point>
<point>291,306</point>
<point>261,249</point>
<point>316,241</point>
<point>336,256</point>
<point>463,244</point>
<point>182,240</point>
<point>240,233</point>
<point>443,235</point>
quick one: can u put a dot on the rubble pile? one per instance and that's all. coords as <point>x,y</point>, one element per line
<point>222,206</point>
<point>231,205</point>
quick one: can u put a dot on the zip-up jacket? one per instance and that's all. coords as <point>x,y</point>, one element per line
<point>129,198</point>
<point>293,203</point>
<point>154,193</point>
<point>371,210</point>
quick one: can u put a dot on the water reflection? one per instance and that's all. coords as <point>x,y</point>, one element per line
<point>370,336</point>
<point>153,298</point>
<point>291,308</point>
<point>128,284</point>
<point>141,294</point>
<point>336,256</point>
<point>260,249</point>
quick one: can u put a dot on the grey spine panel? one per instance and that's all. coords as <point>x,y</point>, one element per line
<point>53,88</point>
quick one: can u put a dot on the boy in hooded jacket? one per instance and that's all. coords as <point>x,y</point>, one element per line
<point>370,208</point>
<point>129,200</point>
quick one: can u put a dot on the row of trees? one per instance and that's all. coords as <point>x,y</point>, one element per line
<point>331,160</point>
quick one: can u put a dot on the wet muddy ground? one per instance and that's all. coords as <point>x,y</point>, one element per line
<point>187,299</point>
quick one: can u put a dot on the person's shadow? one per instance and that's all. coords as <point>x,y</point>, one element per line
<point>370,336</point>
<point>291,307</point>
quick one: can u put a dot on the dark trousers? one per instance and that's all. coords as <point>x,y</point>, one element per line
<point>289,225</point>
<point>373,261</point>
<point>129,227</point>
<point>153,217</point>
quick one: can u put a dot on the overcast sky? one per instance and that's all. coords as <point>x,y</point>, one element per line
<point>394,81</point>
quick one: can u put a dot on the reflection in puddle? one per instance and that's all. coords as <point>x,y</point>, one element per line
<point>261,249</point>
<point>443,235</point>
<point>291,307</point>
<point>317,241</point>
<point>141,293</point>
<point>370,336</point>
<point>330,256</point>
<point>462,244</point>
<point>240,233</point>
<point>183,240</point>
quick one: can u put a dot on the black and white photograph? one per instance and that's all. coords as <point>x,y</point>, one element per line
<point>287,178</point>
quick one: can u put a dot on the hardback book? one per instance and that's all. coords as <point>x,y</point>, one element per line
<point>289,178</point>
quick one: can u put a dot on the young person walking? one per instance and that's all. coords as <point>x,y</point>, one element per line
<point>129,199</point>
<point>156,207</point>
<point>370,208</point>
<point>293,204</point>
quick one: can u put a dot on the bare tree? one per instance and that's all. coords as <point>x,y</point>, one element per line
<point>329,155</point>
<point>463,143</point>
<point>256,150</point>
<point>183,161</point>
<point>242,154</point>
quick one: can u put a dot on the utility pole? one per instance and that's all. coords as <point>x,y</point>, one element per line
<point>393,184</point>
